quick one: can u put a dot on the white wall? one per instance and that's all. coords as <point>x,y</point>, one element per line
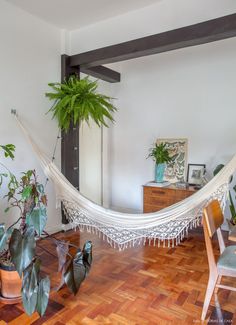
<point>184,93</point>
<point>94,183</point>
<point>162,16</point>
<point>29,59</point>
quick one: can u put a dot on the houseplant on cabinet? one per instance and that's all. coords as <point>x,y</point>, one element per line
<point>19,263</point>
<point>161,156</point>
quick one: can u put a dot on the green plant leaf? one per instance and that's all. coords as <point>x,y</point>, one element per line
<point>38,219</point>
<point>43,295</point>
<point>22,248</point>
<point>26,193</point>
<point>4,236</point>
<point>62,251</point>
<point>40,188</point>
<point>30,287</point>
<point>9,150</point>
<point>2,229</point>
<point>87,256</point>
<point>218,169</point>
<point>75,272</point>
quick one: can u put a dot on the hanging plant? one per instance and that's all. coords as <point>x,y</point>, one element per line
<point>77,101</point>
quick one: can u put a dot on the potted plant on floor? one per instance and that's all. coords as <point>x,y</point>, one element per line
<point>19,263</point>
<point>161,156</point>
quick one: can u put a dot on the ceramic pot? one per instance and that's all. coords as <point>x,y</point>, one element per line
<point>10,282</point>
<point>231,226</point>
<point>159,172</point>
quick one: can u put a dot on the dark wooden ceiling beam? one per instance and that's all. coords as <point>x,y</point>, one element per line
<point>201,33</point>
<point>103,73</point>
<point>99,72</point>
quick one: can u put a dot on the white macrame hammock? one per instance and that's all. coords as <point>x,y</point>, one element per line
<point>166,227</point>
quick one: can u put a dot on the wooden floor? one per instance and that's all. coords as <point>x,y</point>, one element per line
<point>144,285</point>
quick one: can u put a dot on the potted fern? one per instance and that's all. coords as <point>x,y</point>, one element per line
<point>161,156</point>
<point>77,100</point>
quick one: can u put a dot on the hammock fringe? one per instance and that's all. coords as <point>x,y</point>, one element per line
<point>171,242</point>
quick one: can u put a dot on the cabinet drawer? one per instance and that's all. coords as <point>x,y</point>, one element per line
<point>153,191</point>
<point>158,200</point>
<point>155,199</point>
<point>151,208</point>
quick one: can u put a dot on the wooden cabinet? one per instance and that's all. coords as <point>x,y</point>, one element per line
<point>157,198</point>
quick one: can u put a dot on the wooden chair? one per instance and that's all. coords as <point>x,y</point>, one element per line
<point>226,263</point>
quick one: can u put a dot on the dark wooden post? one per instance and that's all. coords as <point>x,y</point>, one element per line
<point>70,139</point>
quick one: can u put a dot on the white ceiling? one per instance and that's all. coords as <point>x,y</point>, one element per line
<point>73,14</point>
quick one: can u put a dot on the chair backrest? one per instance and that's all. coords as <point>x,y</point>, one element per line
<point>212,220</point>
<point>213,216</point>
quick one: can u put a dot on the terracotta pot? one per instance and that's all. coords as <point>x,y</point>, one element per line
<point>10,282</point>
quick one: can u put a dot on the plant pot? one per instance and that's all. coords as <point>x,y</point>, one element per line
<point>159,172</point>
<point>10,282</point>
<point>231,225</point>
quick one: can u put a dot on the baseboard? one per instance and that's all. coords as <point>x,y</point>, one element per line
<point>125,210</point>
<point>66,227</point>
<point>61,227</point>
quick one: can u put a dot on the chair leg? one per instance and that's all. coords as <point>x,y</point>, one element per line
<point>209,292</point>
<point>218,282</point>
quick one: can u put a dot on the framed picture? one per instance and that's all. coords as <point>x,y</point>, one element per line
<point>178,150</point>
<point>195,173</point>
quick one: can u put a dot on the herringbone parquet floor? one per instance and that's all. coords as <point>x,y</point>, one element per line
<point>140,286</point>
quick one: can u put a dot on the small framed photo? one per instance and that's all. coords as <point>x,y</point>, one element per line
<point>195,173</point>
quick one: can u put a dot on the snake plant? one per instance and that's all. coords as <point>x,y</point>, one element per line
<point>77,100</point>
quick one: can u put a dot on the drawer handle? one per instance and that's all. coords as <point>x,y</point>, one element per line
<point>158,192</point>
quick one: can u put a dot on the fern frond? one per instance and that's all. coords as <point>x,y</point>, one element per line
<point>77,100</point>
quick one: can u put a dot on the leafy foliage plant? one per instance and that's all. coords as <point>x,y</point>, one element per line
<point>18,244</point>
<point>160,154</point>
<point>77,100</point>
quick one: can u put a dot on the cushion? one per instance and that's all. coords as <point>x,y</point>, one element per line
<point>227,260</point>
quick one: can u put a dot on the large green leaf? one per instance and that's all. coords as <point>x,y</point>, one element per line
<point>79,269</point>
<point>218,169</point>
<point>8,150</point>
<point>75,272</point>
<point>26,193</point>
<point>2,175</point>
<point>38,219</point>
<point>87,255</point>
<point>40,188</point>
<point>4,236</point>
<point>30,287</point>
<point>22,248</point>
<point>43,295</point>
<point>62,251</point>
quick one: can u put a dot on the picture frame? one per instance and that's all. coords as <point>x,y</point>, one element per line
<point>195,174</point>
<point>178,149</point>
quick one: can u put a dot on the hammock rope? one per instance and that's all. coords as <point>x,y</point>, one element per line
<point>166,227</point>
